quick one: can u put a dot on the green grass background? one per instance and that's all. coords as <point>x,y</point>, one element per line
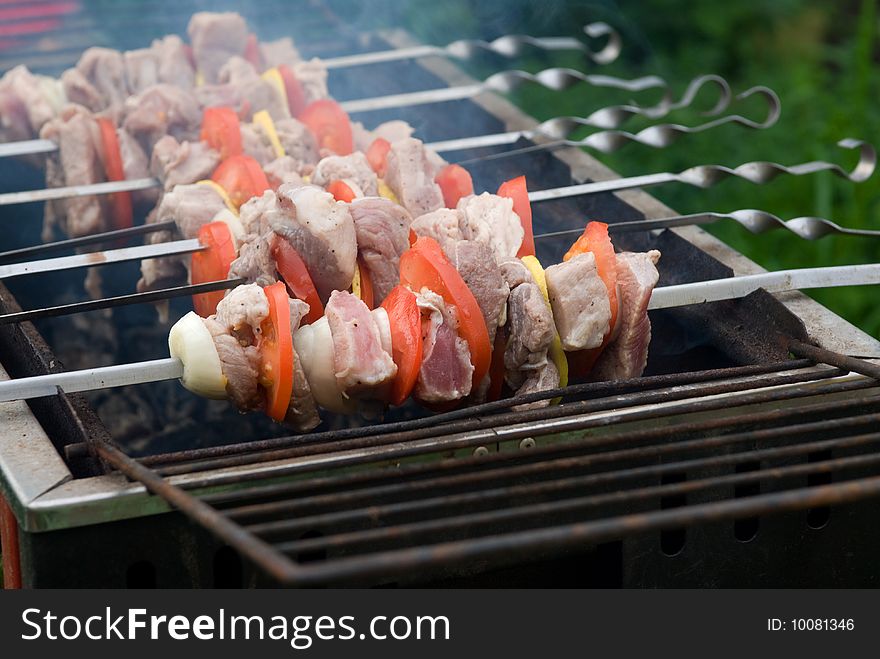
<point>820,56</point>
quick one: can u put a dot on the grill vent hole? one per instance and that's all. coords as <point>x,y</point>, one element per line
<point>672,541</point>
<point>141,575</point>
<point>818,518</point>
<point>746,529</point>
<point>228,571</point>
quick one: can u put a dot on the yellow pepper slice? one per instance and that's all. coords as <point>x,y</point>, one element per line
<point>264,121</point>
<point>556,353</point>
<point>220,191</point>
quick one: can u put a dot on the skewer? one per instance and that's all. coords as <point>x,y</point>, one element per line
<point>510,45</point>
<point>70,243</point>
<point>556,79</point>
<point>701,176</point>
<point>808,228</point>
<point>662,298</point>
<point>658,136</point>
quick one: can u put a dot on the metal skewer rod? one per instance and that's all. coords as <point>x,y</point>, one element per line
<point>808,228</point>
<point>702,176</point>
<point>100,258</point>
<point>508,46</point>
<point>662,298</point>
<point>556,79</point>
<point>83,241</point>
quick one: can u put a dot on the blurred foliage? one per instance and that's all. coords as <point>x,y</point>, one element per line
<point>819,56</point>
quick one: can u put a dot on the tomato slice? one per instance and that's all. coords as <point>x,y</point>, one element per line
<point>341,191</point>
<point>221,131</point>
<point>377,156</point>
<point>595,239</point>
<point>330,125</point>
<point>295,274</point>
<point>366,285</point>
<point>212,264</point>
<point>252,52</point>
<point>425,266</point>
<point>122,215</point>
<point>296,96</point>
<point>406,341</point>
<point>516,189</point>
<point>242,178</point>
<point>496,367</point>
<point>455,182</point>
<point>276,353</point>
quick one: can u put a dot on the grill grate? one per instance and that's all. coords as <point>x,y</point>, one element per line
<point>615,461</point>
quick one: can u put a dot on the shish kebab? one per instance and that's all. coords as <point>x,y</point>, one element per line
<point>196,205</point>
<point>420,343</point>
<point>104,77</point>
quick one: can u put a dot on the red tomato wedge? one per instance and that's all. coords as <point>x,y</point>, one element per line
<point>296,96</point>
<point>330,125</point>
<point>595,239</point>
<point>377,156</point>
<point>295,274</point>
<point>425,266</point>
<point>341,191</point>
<point>276,353</point>
<point>120,202</point>
<point>496,368</point>
<point>212,264</point>
<point>221,131</point>
<point>516,189</point>
<point>406,341</point>
<point>252,52</point>
<point>242,178</point>
<point>365,293</point>
<point>455,182</point>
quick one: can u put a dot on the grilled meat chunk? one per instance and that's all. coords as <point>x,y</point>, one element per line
<point>443,225</point>
<point>162,110</point>
<point>323,234</point>
<point>446,370</point>
<point>627,355</point>
<point>382,231</point>
<point>489,219</point>
<point>284,170</point>
<point>135,165</point>
<point>259,92</point>
<point>180,163</point>
<point>580,302</point>
<point>27,103</point>
<point>103,77</point>
<point>215,37</point>
<point>253,145</point>
<point>361,363</point>
<point>410,176</point>
<point>254,262</point>
<point>530,331</point>
<point>235,328</point>
<point>354,167</point>
<point>477,266</point>
<point>77,162</point>
<point>278,52</point>
<point>298,142</point>
<point>190,206</point>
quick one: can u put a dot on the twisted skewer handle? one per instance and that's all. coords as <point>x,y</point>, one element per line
<point>508,46</point>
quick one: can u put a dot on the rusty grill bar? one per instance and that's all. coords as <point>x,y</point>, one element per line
<point>700,448</point>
